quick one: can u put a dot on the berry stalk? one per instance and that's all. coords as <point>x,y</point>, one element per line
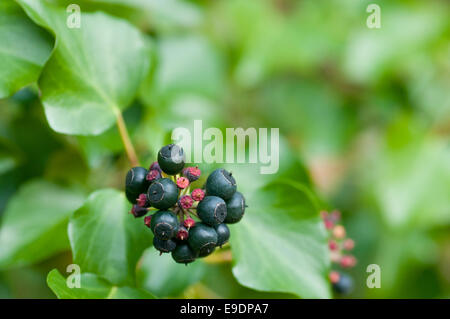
<point>129,148</point>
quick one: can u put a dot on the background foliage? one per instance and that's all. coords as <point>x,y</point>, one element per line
<point>364,118</point>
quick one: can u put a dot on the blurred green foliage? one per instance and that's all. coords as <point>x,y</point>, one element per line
<point>367,112</point>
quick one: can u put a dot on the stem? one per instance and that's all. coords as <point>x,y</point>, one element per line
<point>129,148</point>
<point>219,257</point>
<point>193,213</point>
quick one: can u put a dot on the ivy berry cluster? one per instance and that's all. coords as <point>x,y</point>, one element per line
<point>188,224</point>
<point>340,247</point>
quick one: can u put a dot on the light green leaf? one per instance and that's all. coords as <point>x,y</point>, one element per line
<point>92,287</point>
<point>161,15</point>
<point>409,180</point>
<point>369,55</point>
<point>24,48</point>
<point>163,277</point>
<point>187,64</point>
<point>106,239</point>
<point>34,225</point>
<point>94,71</point>
<point>9,156</point>
<point>280,244</point>
<point>7,163</point>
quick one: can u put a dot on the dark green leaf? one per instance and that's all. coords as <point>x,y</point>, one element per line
<point>280,244</point>
<point>163,277</point>
<point>106,239</point>
<point>94,71</point>
<point>34,225</point>
<point>186,64</point>
<point>24,48</point>
<point>92,287</point>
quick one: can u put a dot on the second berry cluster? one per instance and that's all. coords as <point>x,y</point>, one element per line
<point>340,247</point>
<point>166,189</point>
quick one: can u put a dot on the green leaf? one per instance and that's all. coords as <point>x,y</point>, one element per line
<point>7,163</point>
<point>106,239</point>
<point>34,225</point>
<point>280,244</point>
<point>92,287</point>
<point>9,156</point>
<point>186,64</point>
<point>409,180</point>
<point>24,48</point>
<point>94,71</point>
<point>159,15</point>
<point>163,277</point>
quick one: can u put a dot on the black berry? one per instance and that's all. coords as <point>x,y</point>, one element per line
<point>164,246</point>
<point>220,183</point>
<point>223,234</point>
<point>216,204</point>
<point>202,239</point>
<point>136,183</point>
<point>171,159</point>
<point>183,254</point>
<point>162,193</point>
<point>164,224</point>
<point>135,180</point>
<point>132,196</point>
<point>235,208</point>
<point>212,210</point>
<point>344,285</point>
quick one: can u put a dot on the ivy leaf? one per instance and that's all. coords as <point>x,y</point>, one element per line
<point>34,225</point>
<point>168,15</point>
<point>163,277</point>
<point>7,163</point>
<point>407,160</point>
<point>105,239</point>
<point>280,244</point>
<point>92,287</point>
<point>94,71</point>
<point>9,156</point>
<point>24,48</point>
<point>186,65</point>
